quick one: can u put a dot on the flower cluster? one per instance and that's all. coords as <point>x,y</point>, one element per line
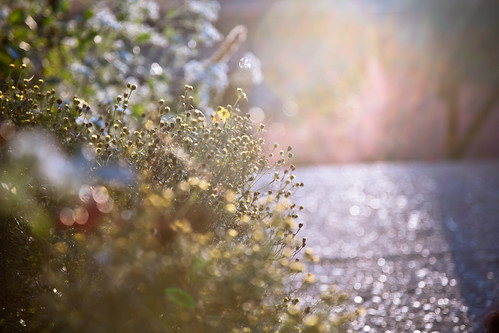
<point>172,221</point>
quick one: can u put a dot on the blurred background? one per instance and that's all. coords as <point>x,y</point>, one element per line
<point>358,80</point>
<point>339,80</point>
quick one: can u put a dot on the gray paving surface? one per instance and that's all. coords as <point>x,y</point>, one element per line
<point>416,245</point>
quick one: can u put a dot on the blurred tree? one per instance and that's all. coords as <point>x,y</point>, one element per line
<point>462,37</point>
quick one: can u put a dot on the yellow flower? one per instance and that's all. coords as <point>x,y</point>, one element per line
<point>241,94</point>
<point>311,320</point>
<point>203,185</point>
<point>222,114</point>
<point>231,208</point>
<point>245,218</point>
<point>361,311</point>
<point>230,196</point>
<point>310,278</point>
<point>182,226</point>
<point>297,266</point>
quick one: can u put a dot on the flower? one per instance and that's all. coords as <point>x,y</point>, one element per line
<point>222,114</point>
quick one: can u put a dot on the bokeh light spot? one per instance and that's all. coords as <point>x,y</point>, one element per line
<point>80,215</point>
<point>66,216</point>
<point>85,193</point>
<point>156,69</point>
<point>257,115</point>
<point>100,194</point>
<point>106,206</point>
<point>290,108</point>
<point>245,63</point>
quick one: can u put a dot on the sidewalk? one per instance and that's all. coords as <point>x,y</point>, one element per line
<point>416,244</point>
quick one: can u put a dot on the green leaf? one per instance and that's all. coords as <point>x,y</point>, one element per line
<point>47,21</point>
<point>87,14</point>
<point>40,222</point>
<point>61,6</point>
<point>171,13</point>
<point>142,38</point>
<point>180,297</point>
<point>138,110</point>
<point>16,17</point>
<point>169,32</point>
<point>65,6</point>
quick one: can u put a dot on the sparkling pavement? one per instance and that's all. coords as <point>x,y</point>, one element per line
<point>417,245</point>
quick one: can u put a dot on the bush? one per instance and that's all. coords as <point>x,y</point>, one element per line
<point>89,48</point>
<point>171,222</point>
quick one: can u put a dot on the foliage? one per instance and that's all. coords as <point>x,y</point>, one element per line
<point>168,222</point>
<point>89,48</point>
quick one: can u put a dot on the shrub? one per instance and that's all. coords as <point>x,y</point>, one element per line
<point>171,222</point>
<point>89,48</point>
